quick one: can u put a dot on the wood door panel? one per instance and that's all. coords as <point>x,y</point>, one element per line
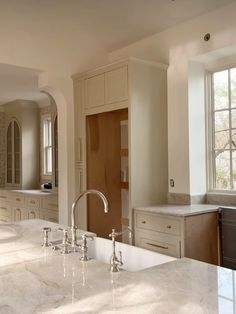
<point>103,171</point>
<point>201,237</point>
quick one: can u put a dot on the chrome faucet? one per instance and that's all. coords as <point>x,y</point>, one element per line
<point>115,262</point>
<point>73,227</point>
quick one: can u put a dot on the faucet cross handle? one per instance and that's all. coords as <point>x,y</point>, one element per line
<point>115,234</point>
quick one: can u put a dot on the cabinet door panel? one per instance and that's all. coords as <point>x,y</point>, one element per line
<point>94,91</point>
<point>18,214</point>
<point>116,85</point>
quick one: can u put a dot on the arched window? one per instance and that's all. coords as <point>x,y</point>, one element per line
<point>13,162</point>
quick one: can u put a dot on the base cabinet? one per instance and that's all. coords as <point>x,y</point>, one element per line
<point>194,236</point>
<point>17,206</point>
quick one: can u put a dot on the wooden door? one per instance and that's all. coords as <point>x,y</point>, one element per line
<point>103,171</point>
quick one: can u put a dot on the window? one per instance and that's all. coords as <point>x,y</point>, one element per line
<point>47,145</point>
<point>223,135</point>
<point>13,161</point>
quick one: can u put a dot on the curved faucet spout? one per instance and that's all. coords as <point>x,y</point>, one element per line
<point>96,192</point>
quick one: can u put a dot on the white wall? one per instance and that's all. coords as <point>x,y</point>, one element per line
<point>197,134</point>
<point>177,46</point>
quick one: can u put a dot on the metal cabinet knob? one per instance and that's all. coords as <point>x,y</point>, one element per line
<point>143,222</point>
<point>169,226</point>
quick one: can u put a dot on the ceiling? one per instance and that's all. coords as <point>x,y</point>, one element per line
<point>73,32</point>
<point>19,83</point>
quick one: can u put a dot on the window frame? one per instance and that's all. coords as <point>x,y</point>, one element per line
<point>45,174</point>
<point>10,124</point>
<point>210,128</point>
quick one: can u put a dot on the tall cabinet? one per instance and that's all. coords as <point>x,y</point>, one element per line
<point>140,87</point>
<point>22,138</point>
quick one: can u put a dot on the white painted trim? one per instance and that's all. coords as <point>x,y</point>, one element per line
<point>116,64</point>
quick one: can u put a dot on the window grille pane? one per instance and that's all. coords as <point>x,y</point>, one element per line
<point>49,133</point>
<point>233,141</point>
<point>47,136</point>
<point>234,168</point>
<point>222,140</point>
<point>222,170</point>
<point>233,118</point>
<point>48,159</point>
<point>221,97</point>
<point>233,87</point>
<point>221,120</point>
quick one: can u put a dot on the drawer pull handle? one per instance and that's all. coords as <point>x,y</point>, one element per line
<point>2,196</point>
<point>18,199</point>
<point>159,246</point>
<point>143,222</point>
<point>169,226</point>
<point>18,209</point>
<point>4,208</point>
<point>33,213</point>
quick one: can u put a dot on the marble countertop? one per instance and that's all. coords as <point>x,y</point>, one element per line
<point>35,192</point>
<point>181,210</point>
<point>47,282</point>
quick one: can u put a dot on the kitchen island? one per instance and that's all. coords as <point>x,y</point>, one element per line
<point>36,280</point>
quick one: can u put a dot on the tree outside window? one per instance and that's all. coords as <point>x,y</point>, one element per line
<point>224,129</point>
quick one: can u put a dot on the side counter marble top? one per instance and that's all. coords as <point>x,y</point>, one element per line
<point>34,192</point>
<point>180,210</point>
<point>54,283</point>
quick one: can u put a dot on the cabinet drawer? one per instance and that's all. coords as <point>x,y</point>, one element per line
<point>4,196</point>
<point>5,219</point>
<point>5,209</point>
<point>18,199</point>
<point>169,245</point>
<point>157,223</point>
<point>31,214</point>
<point>49,215</point>
<point>50,203</point>
<point>32,202</point>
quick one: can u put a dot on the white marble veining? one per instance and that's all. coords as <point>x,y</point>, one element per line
<point>50,283</point>
<point>181,210</point>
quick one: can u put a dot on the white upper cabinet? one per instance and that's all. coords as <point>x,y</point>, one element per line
<point>116,85</point>
<point>95,91</point>
<point>106,88</point>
